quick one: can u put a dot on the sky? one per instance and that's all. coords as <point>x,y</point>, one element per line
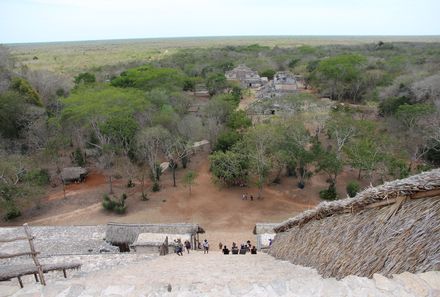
<point>69,20</point>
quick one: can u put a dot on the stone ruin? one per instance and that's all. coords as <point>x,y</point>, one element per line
<point>247,77</point>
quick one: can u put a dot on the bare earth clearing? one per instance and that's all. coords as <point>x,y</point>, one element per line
<point>220,211</point>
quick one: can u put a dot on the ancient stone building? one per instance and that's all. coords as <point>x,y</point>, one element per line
<point>247,77</point>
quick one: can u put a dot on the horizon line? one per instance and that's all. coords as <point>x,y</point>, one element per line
<point>219,36</point>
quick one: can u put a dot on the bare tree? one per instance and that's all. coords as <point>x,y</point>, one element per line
<point>151,142</point>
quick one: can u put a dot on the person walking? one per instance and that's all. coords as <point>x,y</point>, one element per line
<point>205,246</point>
<point>187,246</point>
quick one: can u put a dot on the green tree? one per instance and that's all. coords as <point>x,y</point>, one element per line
<point>341,76</point>
<point>189,179</point>
<point>230,168</point>
<point>84,79</point>
<point>24,88</point>
<point>12,111</point>
<point>261,142</point>
<point>239,120</point>
<point>269,73</point>
<point>328,162</point>
<point>226,140</point>
<point>148,77</point>
<point>216,83</point>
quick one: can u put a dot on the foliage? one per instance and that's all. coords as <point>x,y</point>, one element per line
<point>99,102</point>
<point>238,120</point>
<point>39,177</point>
<point>121,129</point>
<point>352,188</point>
<point>269,73</point>
<point>329,194</point>
<point>11,212</point>
<point>390,105</point>
<point>149,77</point>
<point>78,157</point>
<point>84,78</point>
<point>24,88</point>
<point>409,115</point>
<point>226,140</point>
<point>340,76</point>
<point>12,109</point>
<point>189,179</point>
<point>230,167</point>
<point>118,207</point>
<point>216,83</point>
<point>328,162</point>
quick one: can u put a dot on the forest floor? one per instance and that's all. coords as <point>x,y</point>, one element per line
<point>220,211</point>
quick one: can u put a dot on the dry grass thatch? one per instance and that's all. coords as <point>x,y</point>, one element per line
<point>381,230</point>
<point>118,233</point>
<point>388,193</point>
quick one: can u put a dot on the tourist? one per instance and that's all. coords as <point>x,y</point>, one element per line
<point>252,198</point>
<point>234,249</point>
<point>270,241</point>
<point>187,246</point>
<point>179,247</point>
<point>205,246</point>
<point>243,249</point>
<point>253,250</point>
<point>220,245</point>
<point>248,245</point>
<point>225,250</point>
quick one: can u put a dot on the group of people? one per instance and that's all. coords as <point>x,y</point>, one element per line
<point>244,248</point>
<point>245,196</point>
<point>179,246</point>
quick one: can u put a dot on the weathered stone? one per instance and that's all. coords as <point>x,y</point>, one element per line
<point>412,284</point>
<point>432,278</point>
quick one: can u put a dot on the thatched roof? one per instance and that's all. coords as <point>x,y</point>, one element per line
<point>128,233</point>
<point>73,173</point>
<point>264,228</point>
<point>389,229</point>
<point>426,184</point>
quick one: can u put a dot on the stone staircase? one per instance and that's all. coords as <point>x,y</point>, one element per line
<point>214,274</point>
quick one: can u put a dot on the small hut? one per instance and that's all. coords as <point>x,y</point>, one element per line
<point>126,235</point>
<point>387,229</point>
<point>73,174</point>
<point>264,232</point>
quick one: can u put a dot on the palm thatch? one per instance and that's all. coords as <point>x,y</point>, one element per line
<point>118,233</point>
<point>388,229</point>
<point>388,193</point>
<point>71,174</point>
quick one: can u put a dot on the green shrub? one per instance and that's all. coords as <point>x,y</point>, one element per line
<point>329,194</point>
<point>12,212</point>
<point>120,209</point>
<point>352,188</point>
<point>78,157</point>
<point>156,187</point>
<point>107,203</point>
<point>130,183</point>
<point>39,177</point>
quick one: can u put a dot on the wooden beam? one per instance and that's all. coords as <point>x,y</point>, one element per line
<point>31,245</point>
<point>6,256</point>
<point>426,194</point>
<point>14,239</point>
<point>20,282</point>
